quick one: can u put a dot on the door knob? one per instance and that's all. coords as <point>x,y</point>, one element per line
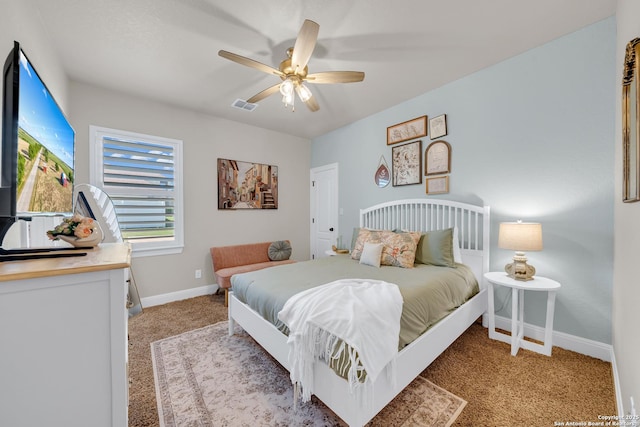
<point>331,229</point>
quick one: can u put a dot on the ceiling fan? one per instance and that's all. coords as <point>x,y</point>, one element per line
<point>294,71</point>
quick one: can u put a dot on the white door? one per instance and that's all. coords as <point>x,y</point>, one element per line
<point>324,209</point>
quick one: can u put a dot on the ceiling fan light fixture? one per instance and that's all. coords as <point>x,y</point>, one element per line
<point>287,99</point>
<point>303,92</point>
<point>294,70</point>
<point>286,88</point>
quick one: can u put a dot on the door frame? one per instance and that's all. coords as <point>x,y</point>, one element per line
<point>312,207</point>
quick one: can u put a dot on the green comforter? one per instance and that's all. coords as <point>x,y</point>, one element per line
<point>429,293</point>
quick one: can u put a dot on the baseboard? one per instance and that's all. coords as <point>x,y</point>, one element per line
<point>560,339</point>
<point>178,295</point>
<point>616,384</point>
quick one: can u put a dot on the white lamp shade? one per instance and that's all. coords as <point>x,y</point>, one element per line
<point>286,88</point>
<point>520,236</point>
<point>303,92</point>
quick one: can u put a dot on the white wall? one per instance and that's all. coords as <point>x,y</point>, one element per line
<point>626,289</point>
<point>21,22</point>
<point>533,137</point>
<point>206,139</point>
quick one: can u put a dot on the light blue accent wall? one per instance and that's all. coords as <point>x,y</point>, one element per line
<point>532,137</point>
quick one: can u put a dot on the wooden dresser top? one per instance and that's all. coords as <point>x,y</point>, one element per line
<point>106,256</point>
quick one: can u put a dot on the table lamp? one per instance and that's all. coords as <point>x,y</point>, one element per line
<point>520,236</point>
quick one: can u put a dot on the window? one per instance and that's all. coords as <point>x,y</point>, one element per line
<point>142,175</point>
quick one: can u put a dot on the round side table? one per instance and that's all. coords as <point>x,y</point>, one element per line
<point>516,339</point>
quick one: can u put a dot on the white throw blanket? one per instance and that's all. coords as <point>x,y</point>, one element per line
<point>364,314</point>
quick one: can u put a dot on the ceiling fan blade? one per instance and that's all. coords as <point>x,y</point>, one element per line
<point>262,95</point>
<point>305,43</point>
<point>249,62</point>
<point>312,104</point>
<point>335,77</point>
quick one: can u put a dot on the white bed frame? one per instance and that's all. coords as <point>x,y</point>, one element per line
<point>473,226</point>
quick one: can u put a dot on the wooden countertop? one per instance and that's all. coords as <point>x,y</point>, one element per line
<point>106,256</point>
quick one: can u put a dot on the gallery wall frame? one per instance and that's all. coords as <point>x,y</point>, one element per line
<point>406,163</point>
<point>411,129</point>
<point>437,158</point>
<point>438,126</point>
<point>437,185</point>
<point>247,185</point>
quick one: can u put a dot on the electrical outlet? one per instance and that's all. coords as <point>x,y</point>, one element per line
<point>198,274</point>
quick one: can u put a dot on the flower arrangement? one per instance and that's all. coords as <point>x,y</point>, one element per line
<point>77,226</point>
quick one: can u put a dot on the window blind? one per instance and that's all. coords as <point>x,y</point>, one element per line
<point>140,178</point>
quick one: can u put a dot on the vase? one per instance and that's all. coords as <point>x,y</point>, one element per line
<point>90,241</point>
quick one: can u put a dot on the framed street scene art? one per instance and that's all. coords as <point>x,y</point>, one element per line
<point>407,163</point>
<point>246,185</point>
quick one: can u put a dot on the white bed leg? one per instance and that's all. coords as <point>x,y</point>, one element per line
<point>231,326</point>
<point>231,322</point>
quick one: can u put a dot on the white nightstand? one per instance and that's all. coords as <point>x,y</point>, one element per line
<point>516,339</point>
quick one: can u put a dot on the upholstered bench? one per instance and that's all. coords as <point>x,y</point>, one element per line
<point>235,259</point>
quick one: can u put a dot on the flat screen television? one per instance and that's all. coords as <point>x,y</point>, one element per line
<point>38,147</point>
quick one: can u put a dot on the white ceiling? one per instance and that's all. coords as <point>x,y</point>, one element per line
<point>166,50</point>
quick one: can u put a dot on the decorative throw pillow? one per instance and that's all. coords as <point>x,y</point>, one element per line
<point>436,248</point>
<point>363,235</point>
<point>279,251</point>
<point>399,248</point>
<point>371,253</point>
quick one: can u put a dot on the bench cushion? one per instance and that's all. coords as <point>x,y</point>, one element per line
<point>224,275</point>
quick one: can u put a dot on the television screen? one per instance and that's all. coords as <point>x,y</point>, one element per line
<point>45,169</point>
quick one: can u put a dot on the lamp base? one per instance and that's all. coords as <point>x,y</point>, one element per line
<point>519,269</point>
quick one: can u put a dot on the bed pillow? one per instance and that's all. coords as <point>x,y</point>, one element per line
<point>279,251</point>
<point>436,248</point>
<point>363,235</point>
<point>399,248</point>
<point>457,254</point>
<point>371,254</point>
<point>354,237</point>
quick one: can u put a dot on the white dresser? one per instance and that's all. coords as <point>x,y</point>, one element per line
<point>63,340</point>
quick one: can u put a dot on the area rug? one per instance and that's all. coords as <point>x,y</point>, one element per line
<point>206,378</point>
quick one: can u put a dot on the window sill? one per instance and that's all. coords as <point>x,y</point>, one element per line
<point>140,252</point>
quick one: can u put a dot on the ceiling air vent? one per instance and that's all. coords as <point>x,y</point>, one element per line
<point>244,105</point>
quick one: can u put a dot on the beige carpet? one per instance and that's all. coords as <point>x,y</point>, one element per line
<point>206,378</point>
<point>501,390</point>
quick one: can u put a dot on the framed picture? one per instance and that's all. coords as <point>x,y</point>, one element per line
<point>246,185</point>
<point>411,129</point>
<point>437,158</point>
<point>438,185</point>
<point>407,163</point>
<point>630,125</point>
<point>438,126</point>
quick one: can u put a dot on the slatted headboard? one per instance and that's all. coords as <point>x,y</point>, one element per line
<point>472,223</point>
